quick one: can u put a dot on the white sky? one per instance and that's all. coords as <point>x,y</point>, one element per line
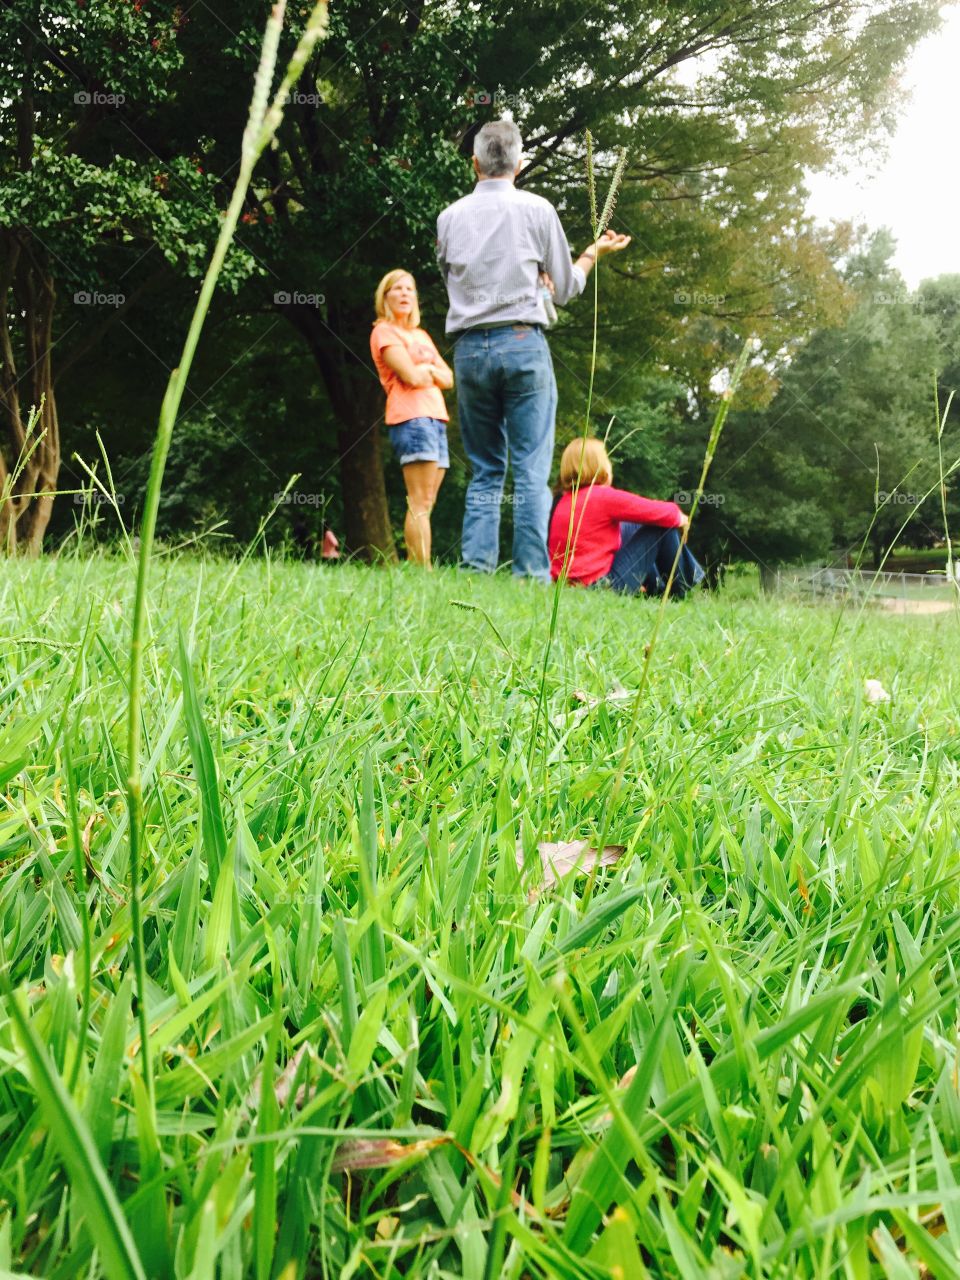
<point>915,190</point>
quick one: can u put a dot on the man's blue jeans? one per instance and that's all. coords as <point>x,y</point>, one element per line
<point>507,402</point>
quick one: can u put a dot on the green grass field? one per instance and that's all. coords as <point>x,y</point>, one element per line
<point>380,1048</point>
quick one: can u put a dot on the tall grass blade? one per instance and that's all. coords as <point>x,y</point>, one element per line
<point>69,1133</point>
<point>212,828</point>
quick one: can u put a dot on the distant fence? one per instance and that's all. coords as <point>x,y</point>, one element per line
<point>825,582</point>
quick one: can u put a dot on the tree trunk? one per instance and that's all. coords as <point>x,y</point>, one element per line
<point>29,445</point>
<point>357,402</point>
<point>368,530</point>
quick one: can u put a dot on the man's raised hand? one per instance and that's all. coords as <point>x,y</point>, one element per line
<point>611,242</point>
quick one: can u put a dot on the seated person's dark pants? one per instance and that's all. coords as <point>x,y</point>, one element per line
<point>645,558</point>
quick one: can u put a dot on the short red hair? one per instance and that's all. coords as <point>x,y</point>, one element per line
<point>585,461</point>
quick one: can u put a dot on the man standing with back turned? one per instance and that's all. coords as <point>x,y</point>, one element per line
<point>492,246</point>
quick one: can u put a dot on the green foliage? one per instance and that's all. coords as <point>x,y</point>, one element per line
<point>87,192</point>
<point>80,177</point>
<point>939,300</point>
<point>849,442</point>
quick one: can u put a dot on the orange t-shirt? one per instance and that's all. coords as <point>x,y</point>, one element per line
<point>404,401</point>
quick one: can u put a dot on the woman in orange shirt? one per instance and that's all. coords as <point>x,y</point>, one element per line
<point>414,376</point>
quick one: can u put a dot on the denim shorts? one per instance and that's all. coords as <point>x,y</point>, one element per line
<point>420,440</point>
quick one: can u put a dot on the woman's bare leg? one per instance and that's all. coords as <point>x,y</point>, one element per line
<point>422,482</point>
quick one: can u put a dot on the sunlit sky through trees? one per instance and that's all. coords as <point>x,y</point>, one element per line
<point>913,190</point>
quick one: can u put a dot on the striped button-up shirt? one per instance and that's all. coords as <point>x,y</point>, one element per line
<point>492,245</point>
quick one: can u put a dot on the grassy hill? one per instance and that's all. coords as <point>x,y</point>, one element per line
<point>385,1040</point>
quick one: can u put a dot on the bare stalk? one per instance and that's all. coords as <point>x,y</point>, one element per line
<point>597,226</point>
<point>941,423</point>
<point>651,645</point>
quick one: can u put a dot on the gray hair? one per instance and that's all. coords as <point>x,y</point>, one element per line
<point>497,148</point>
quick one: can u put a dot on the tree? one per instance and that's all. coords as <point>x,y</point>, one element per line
<point>939,299</point>
<point>81,204</point>
<point>848,444</point>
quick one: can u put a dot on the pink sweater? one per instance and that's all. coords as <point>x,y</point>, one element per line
<point>596,528</point>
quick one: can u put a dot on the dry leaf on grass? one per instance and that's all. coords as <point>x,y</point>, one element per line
<point>617,694</point>
<point>283,1084</point>
<point>559,858</point>
<point>624,1082</point>
<point>380,1153</point>
<point>586,703</point>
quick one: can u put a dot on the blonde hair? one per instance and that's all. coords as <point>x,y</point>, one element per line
<point>595,468</point>
<point>382,306</point>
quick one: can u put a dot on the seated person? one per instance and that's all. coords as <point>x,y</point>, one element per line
<point>617,538</point>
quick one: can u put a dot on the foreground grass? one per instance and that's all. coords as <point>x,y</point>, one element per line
<point>383,1049</point>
